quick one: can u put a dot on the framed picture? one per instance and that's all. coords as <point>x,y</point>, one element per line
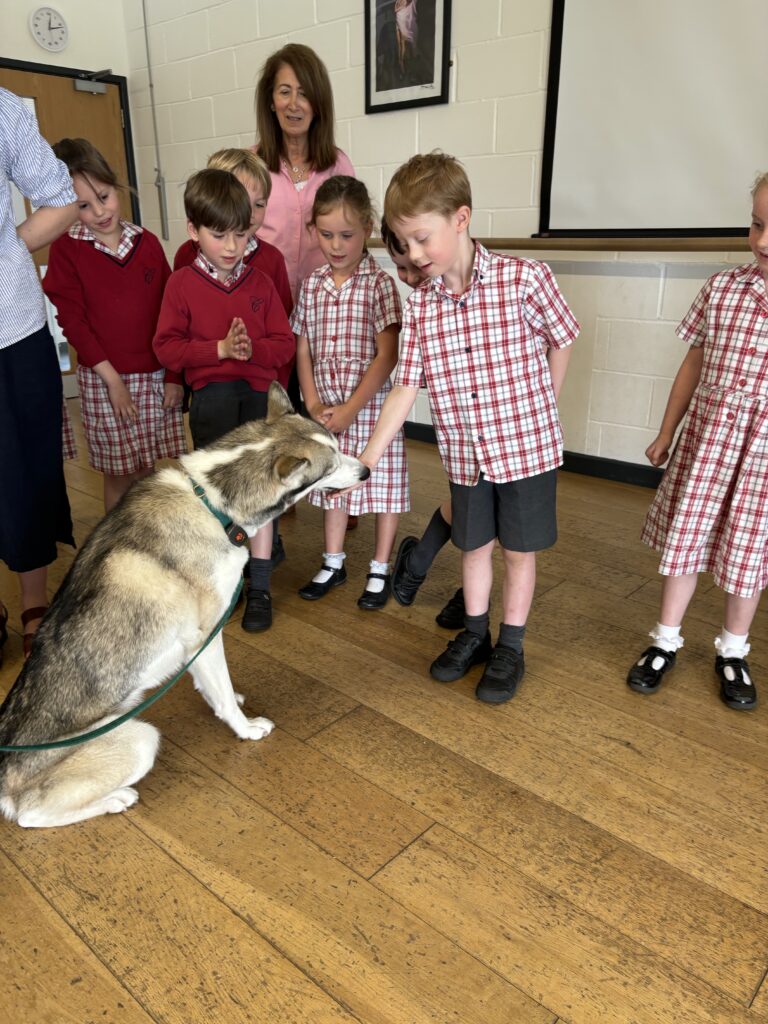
<point>407,53</point>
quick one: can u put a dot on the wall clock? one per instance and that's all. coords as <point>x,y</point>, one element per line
<point>49,29</point>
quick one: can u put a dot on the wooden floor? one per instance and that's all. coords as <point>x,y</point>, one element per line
<point>398,853</point>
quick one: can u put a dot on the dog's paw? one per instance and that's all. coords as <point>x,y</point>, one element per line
<point>240,699</point>
<point>258,728</point>
<point>120,800</point>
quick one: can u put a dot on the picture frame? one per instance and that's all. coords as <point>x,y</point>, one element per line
<point>407,53</point>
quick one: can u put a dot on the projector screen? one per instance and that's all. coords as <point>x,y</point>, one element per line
<point>656,116</point>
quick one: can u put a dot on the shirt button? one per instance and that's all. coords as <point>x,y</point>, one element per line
<point>333,337</point>
<point>743,382</point>
<point>751,351</point>
<point>467,349</point>
<point>474,394</point>
<point>729,416</point>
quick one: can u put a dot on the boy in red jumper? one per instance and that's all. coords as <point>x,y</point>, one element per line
<point>223,324</point>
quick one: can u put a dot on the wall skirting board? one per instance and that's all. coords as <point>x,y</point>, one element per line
<point>573,462</point>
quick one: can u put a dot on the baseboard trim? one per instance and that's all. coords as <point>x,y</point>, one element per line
<point>573,462</point>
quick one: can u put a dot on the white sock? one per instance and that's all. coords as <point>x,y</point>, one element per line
<point>376,586</point>
<point>334,561</point>
<point>667,637</point>
<point>732,645</point>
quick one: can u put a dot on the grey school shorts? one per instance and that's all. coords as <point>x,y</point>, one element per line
<point>522,514</point>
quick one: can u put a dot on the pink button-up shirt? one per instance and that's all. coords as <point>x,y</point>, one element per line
<point>288,211</point>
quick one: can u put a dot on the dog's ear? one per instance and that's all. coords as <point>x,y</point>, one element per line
<point>287,466</point>
<point>278,402</point>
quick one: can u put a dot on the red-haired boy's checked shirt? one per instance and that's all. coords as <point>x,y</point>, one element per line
<point>482,356</point>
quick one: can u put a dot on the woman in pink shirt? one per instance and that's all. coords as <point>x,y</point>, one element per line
<point>295,122</point>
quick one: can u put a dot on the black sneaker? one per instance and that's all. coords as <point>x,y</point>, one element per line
<point>464,651</point>
<point>646,674</point>
<point>278,552</point>
<point>736,687</point>
<point>502,674</point>
<point>258,611</point>
<point>452,616</point>
<point>405,584</point>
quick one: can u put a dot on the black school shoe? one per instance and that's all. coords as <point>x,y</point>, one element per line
<point>643,677</point>
<point>502,675</point>
<point>452,616</point>
<point>314,591</point>
<point>464,651</point>
<point>258,611</point>
<point>372,602</point>
<point>405,584</point>
<point>736,687</point>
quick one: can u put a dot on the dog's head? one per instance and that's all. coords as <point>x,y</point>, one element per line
<point>262,467</point>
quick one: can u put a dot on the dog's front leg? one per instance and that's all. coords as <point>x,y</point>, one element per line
<point>211,677</point>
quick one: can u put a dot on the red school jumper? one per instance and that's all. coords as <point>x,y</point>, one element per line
<point>196,314</point>
<point>115,316</point>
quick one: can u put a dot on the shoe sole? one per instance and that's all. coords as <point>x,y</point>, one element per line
<point>255,629</point>
<point>738,705</point>
<point>497,697</point>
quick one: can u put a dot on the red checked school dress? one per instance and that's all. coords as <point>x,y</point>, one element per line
<point>710,513</point>
<point>341,325</point>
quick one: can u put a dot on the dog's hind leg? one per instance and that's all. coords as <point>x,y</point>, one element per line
<point>95,778</point>
<point>211,678</point>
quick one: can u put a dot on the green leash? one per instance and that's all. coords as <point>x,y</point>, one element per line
<point>83,737</point>
<point>237,536</point>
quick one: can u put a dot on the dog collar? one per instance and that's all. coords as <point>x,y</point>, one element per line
<point>236,534</point>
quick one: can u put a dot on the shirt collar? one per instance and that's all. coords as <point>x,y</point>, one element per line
<point>128,232</point>
<point>208,268</point>
<point>480,267</point>
<point>251,246</point>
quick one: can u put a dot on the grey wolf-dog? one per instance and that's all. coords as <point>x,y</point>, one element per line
<point>141,597</point>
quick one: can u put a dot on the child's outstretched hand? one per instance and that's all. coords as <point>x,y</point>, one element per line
<point>237,344</point>
<point>657,451</point>
<point>121,401</point>
<point>337,418</point>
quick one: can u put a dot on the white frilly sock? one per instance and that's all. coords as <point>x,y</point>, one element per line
<point>376,586</point>
<point>732,645</point>
<point>335,561</point>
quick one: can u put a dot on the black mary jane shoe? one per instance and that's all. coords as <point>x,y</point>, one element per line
<point>643,677</point>
<point>313,591</point>
<point>736,687</point>
<point>370,601</point>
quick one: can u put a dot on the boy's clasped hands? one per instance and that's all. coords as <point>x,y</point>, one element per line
<point>237,344</point>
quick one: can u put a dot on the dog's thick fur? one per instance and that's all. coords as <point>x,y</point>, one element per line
<point>142,596</point>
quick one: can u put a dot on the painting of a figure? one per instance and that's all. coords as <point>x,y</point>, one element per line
<point>407,43</point>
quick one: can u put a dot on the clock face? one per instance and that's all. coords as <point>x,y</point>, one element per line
<point>49,29</point>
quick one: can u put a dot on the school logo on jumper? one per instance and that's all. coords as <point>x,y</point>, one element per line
<point>256,303</point>
<point>149,275</point>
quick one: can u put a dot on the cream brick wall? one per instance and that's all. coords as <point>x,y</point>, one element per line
<point>206,56</point>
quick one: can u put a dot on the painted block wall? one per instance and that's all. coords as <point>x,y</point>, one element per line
<point>206,56</point>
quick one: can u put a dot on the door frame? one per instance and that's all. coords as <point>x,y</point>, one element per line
<point>122,84</point>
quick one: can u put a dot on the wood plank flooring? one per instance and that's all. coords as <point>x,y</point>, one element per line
<point>398,853</point>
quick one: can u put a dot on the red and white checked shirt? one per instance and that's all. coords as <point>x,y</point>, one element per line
<point>482,356</point>
<point>129,232</point>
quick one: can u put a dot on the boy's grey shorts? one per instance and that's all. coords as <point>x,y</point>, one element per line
<point>522,514</point>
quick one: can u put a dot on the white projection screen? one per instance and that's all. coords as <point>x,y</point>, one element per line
<point>657,120</point>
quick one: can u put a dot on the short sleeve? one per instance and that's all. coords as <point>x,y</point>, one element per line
<point>546,310</point>
<point>298,319</point>
<point>388,307</point>
<point>694,325</point>
<point>410,370</point>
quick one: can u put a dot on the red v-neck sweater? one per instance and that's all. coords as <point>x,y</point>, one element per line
<point>196,315</point>
<point>108,307</point>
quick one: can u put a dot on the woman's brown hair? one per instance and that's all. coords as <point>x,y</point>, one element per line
<point>314,81</point>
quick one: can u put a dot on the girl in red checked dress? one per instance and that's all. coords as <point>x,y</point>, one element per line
<point>710,513</point>
<point>106,278</point>
<point>347,321</point>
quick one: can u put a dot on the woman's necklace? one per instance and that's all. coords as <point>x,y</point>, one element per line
<point>297,171</point>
